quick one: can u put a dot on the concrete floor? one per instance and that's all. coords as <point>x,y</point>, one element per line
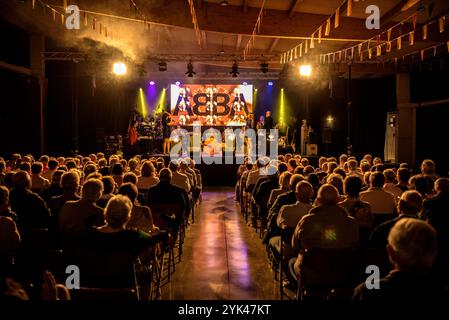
<point>223,258</point>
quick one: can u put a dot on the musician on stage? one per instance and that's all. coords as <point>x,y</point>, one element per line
<point>166,132</point>
<point>132,133</point>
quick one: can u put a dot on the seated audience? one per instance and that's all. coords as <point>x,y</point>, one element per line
<point>390,184</point>
<point>428,170</point>
<point>178,179</point>
<point>54,189</point>
<point>130,177</point>
<point>5,210</point>
<point>356,208</point>
<point>37,182</point>
<point>326,226</point>
<point>284,185</point>
<point>290,214</point>
<point>52,167</point>
<point>141,217</point>
<point>78,216</point>
<point>381,202</point>
<point>412,249</point>
<point>114,236</point>
<point>148,177</point>
<point>117,173</point>
<point>70,182</point>
<point>166,193</point>
<point>409,206</point>
<point>31,210</point>
<point>436,212</point>
<point>403,176</point>
<point>9,235</point>
<point>421,184</point>
<point>109,188</point>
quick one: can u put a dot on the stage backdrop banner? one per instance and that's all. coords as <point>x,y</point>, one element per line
<point>211,105</point>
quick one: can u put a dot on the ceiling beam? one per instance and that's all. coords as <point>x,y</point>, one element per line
<point>273,44</point>
<point>293,7</point>
<point>393,12</point>
<point>204,36</point>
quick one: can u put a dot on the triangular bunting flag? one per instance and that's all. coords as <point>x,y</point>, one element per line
<point>389,35</point>
<point>434,51</point>
<point>389,46</point>
<point>414,22</point>
<point>307,47</point>
<point>85,19</point>
<point>33,3</point>
<point>400,43</point>
<point>62,19</point>
<point>424,32</point>
<point>447,44</point>
<point>327,30</point>
<point>339,56</point>
<point>441,24</point>
<point>422,55</point>
<point>296,52</point>
<point>412,38</point>
<point>378,51</point>
<point>370,53</point>
<point>349,10</point>
<point>359,47</point>
<point>352,53</point>
<point>54,14</point>
<point>319,34</point>
<point>300,49</point>
<point>94,22</point>
<point>361,56</point>
<point>312,42</point>
<point>337,18</point>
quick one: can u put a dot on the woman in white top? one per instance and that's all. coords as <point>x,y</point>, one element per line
<point>148,178</point>
<point>284,185</point>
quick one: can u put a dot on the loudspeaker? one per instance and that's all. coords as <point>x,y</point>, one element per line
<point>312,149</point>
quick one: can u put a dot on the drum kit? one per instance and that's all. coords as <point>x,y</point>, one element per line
<point>150,129</point>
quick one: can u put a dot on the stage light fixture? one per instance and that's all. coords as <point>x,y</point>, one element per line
<point>224,3</point>
<point>162,66</point>
<point>178,83</point>
<point>330,119</point>
<point>119,68</point>
<point>152,83</point>
<point>305,70</point>
<point>245,83</point>
<point>264,67</point>
<point>270,83</point>
<point>235,70</point>
<point>190,71</point>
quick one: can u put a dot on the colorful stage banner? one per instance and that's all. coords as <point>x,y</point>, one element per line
<point>211,105</point>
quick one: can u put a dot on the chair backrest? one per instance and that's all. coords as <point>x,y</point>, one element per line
<point>159,210</point>
<point>329,267</point>
<point>105,269</point>
<point>35,239</point>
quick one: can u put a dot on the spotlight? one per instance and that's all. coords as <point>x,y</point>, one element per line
<point>245,83</point>
<point>270,83</point>
<point>330,119</point>
<point>305,70</point>
<point>178,83</point>
<point>162,66</point>
<point>190,71</point>
<point>224,3</point>
<point>235,70</point>
<point>119,68</point>
<point>264,67</point>
<point>152,83</point>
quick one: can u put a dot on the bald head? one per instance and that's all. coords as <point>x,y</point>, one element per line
<point>327,195</point>
<point>410,202</point>
<point>21,179</point>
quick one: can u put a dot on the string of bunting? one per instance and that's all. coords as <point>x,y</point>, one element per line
<point>323,30</point>
<point>379,47</point>
<point>195,22</point>
<point>55,12</point>
<point>256,30</point>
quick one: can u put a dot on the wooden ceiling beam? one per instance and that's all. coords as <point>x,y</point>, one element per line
<point>293,7</point>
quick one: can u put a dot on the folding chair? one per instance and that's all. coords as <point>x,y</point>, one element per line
<point>325,269</point>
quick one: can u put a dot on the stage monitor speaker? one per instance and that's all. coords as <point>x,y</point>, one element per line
<point>312,149</point>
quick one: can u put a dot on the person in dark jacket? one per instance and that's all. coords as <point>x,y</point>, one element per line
<point>31,210</point>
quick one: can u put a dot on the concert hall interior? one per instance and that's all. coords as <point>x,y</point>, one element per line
<point>214,150</point>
